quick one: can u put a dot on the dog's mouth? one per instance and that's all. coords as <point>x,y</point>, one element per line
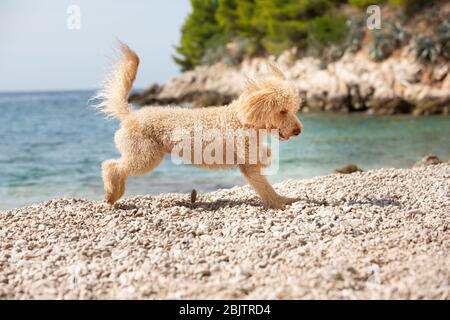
<point>281,136</point>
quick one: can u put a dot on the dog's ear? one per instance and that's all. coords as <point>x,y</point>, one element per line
<point>276,72</point>
<point>256,106</point>
<point>250,84</point>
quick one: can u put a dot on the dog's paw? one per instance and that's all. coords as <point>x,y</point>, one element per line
<point>274,205</point>
<point>279,203</point>
<point>287,200</point>
<point>123,206</point>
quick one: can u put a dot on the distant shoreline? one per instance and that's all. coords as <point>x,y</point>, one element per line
<point>141,98</point>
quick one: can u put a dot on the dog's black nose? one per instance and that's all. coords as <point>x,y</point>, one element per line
<point>296,132</point>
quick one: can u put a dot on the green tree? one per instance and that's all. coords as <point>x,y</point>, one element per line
<point>199,28</point>
<point>227,16</point>
<point>285,22</point>
<point>236,18</point>
<point>269,26</point>
<point>365,3</point>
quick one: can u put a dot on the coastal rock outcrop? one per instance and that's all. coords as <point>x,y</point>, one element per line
<point>399,84</point>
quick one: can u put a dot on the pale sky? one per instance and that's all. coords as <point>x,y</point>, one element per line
<point>39,52</point>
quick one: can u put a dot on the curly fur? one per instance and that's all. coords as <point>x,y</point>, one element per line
<point>146,134</point>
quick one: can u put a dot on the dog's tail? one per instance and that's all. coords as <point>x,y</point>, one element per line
<point>114,94</point>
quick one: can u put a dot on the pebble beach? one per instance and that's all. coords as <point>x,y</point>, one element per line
<point>380,234</point>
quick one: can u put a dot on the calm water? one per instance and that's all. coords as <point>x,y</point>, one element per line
<point>52,144</point>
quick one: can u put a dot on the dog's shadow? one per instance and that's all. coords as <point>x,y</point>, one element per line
<point>217,204</point>
<point>255,202</point>
<point>378,202</point>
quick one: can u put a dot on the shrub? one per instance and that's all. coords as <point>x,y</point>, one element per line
<point>354,33</point>
<point>427,49</point>
<point>430,48</point>
<point>443,34</point>
<point>384,42</point>
<point>400,35</point>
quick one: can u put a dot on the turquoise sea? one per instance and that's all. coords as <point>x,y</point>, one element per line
<point>52,144</point>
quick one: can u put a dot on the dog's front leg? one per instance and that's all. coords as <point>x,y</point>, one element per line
<point>259,182</point>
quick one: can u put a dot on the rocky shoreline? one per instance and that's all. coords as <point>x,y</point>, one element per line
<point>355,83</point>
<point>366,235</point>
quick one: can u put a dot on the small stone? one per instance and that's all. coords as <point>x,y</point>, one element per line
<point>428,160</point>
<point>193,196</point>
<point>205,273</point>
<point>414,212</point>
<point>121,255</point>
<point>350,168</point>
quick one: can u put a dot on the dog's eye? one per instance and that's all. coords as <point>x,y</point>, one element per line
<point>283,111</point>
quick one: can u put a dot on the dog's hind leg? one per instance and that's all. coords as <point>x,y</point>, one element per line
<point>138,158</point>
<point>114,178</point>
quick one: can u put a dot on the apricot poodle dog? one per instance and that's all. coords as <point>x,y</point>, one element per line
<point>146,135</point>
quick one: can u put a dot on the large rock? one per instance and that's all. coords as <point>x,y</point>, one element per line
<point>428,160</point>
